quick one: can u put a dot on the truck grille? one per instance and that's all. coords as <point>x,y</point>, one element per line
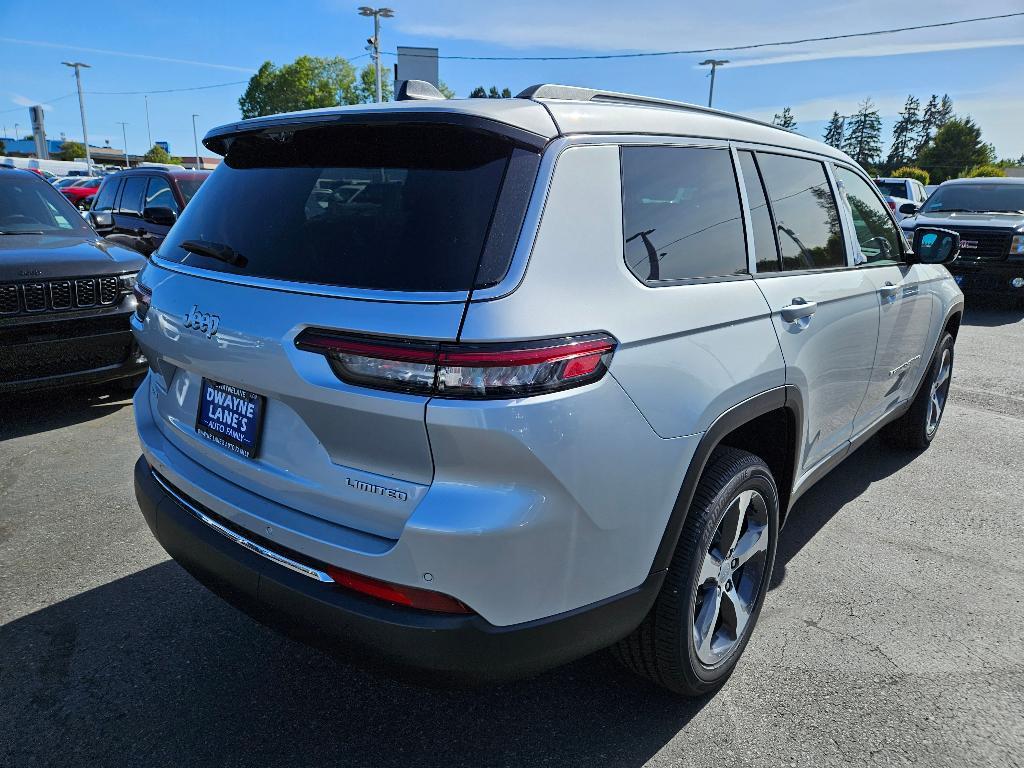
<point>56,295</point>
<point>984,244</point>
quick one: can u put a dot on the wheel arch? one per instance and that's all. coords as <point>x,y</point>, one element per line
<point>769,425</point>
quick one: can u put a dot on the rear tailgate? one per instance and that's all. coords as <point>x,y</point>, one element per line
<point>324,445</point>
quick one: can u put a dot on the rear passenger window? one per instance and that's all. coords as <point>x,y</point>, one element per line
<point>159,194</point>
<point>806,217</point>
<point>107,195</point>
<point>681,213</point>
<point>766,250</point>
<point>134,191</point>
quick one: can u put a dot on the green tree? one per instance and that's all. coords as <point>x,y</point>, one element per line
<point>834,132</point>
<point>957,147</point>
<point>910,172</point>
<point>447,92</point>
<point>863,140</point>
<point>309,82</point>
<point>158,154</point>
<point>986,169</point>
<point>3,147</point>
<point>928,124</point>
<point>785,119</point>
<point>72,150</point>
<point>366,87</point>
<point>945,113</point>
<point>903,133</point>
<point>492,93</point>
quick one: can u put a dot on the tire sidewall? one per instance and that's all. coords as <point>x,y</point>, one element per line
<point>926,387</point>
<point>751,478</point>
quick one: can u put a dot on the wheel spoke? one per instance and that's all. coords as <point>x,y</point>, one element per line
<point>752,542</point>
<point>943,375</point>
<point>707,620</point>
<point>741,611</point>
<point>709,568</point>
<point>742,504</point>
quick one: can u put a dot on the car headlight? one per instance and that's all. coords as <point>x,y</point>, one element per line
<point>127,282</point>
<point>1017,246</point>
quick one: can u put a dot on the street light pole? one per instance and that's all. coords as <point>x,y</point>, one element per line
<point>16,131</point>
<point>714,64</point>
<point>195,140</point>
<point>149,135</point>
<point>77,66</point>
<point>378,14</point>
<point>124,134</point>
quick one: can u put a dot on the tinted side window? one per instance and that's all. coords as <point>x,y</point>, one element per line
<point>107,195</point>
<point>131,197</point>
<point>159,194</point>
<point>806,217</point>
<point>877,238</point>
<point>681,213</point>
<point>766,250</point>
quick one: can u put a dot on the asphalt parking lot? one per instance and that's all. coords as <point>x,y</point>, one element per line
<point>892,635</point>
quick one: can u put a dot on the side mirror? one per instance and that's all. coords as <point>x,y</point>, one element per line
<point>101,219</point>
<point>909,209</point>
<point>935,246</point>
<point>159,215</point>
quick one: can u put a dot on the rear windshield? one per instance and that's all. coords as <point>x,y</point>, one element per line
<point>189,187</point>
<point>403,207</point>
<point>892,188</point>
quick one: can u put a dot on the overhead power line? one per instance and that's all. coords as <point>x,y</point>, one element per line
<point>724,49</point>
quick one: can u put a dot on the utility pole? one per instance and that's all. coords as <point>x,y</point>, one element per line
<point>124,134</point>
<point>199,163</point>
<point>16,131</point>
<point>374,41</point>
<point>77,66</point>
<point>149,136</point>
<point>714,64</point>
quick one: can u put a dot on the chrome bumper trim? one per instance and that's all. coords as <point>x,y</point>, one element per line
<point>252,546</point>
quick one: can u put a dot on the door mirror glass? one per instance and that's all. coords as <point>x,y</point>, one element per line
<point>909,209</point>
<point>159,215</point>
<point>936,246</point>
<point>101,219</point>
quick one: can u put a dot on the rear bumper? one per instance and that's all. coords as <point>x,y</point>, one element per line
<point>374,632</point>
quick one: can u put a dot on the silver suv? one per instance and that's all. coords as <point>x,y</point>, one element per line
<point>482,386</point>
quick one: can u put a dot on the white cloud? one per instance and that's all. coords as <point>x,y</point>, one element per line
<point>25,101</point>
<point>894,49</point>
<point>126,54</point>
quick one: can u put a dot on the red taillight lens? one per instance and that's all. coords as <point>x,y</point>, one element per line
<point>410,597</point>
<point>143,298</point>
<point>464,370</point>
<point>891,204</point>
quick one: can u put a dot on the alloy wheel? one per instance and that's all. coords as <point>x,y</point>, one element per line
<point>731,578</point>
<point>939,392</point>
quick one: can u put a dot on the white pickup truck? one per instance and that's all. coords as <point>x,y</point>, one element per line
<point>899,191</point>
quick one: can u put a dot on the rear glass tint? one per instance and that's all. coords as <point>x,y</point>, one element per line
<point>403,207</point>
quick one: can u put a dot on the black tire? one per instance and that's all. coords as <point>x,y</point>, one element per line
<point>914,430</point>
<point>662,648</point>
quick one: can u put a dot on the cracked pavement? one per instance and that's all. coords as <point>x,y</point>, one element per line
<point>892,635</point>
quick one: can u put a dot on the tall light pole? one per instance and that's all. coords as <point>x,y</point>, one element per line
<point>16,131</point>
<point>149,136</point>
<point>374,41</point>
<point>77,66</point>
<point>714,64</point>
<point>195,140</point>
<point>124,134</point>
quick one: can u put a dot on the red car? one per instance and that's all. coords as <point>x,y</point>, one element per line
<point>80,192</point>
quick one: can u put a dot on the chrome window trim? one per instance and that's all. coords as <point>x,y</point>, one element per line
<point>252,546</point>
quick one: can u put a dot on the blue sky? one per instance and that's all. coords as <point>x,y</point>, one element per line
<point>136,46</point>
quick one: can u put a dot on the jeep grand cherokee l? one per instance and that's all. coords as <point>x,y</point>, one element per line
<point>65,294</point>
<point>551,381</point>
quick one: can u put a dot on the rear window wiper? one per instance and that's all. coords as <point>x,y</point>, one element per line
<point>217,251</point>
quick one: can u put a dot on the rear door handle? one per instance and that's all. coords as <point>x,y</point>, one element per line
<point>799,309</point>
<point>889,291</point>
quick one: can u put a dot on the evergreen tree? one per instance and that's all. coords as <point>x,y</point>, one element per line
<point>957,148</point>
<point>785,120</point>
<point>928,125</point>
<point>945,112</point>
<point>904,133</point>
<point>834,132</point>
<point>864,140</point>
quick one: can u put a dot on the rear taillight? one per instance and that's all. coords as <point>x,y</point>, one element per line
<point>464,370</point>
<point>891,204</point>
<point>399,594</point>
<point>143,298</point>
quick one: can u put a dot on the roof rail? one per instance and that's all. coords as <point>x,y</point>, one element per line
<point>577,93</point>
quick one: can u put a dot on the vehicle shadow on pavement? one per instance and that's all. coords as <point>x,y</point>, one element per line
<point>874,461</point>
<point>29,414</point>
<point>152,669</point>
<point>991,311</point>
